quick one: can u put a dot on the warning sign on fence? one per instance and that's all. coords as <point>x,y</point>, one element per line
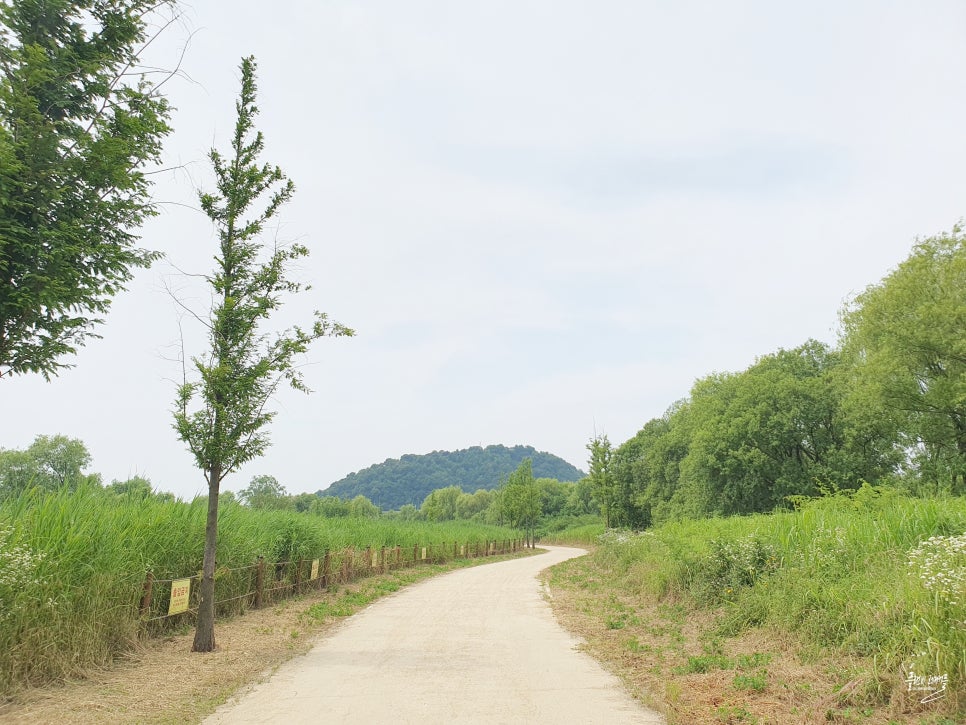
<point>315,569</point>
<point>180,592</point>
<point>424,552</point>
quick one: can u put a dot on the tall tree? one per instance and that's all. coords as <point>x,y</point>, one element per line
<point>78,127</point>
<point>244,365</point>
<point>906,337</point>
<point>601,477</point>
<point>522,499</point>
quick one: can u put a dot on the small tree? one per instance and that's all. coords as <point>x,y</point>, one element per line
<point>243,366</point>
<point>77,128</point>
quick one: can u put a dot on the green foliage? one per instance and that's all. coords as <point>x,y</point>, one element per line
<point>134,487</point>
<point>602,480</point>
<point>905,336</point>
<point>440,505</point>
<point>362,508</point>
<point>244,366</point>
<point>77,129</point>
<point>871,573</point>
<point>49,463</point>
<point>329,507</point>
<point>889,406</point>
<point>412,478</point>
<point>522,499</point>
<point>73,564</point>
<point>264,492</point>
<point>748,442</point>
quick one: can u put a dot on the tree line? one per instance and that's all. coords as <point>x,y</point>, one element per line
<point>886,405</point>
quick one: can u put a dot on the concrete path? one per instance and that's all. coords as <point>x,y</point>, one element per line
<point>476,645</point>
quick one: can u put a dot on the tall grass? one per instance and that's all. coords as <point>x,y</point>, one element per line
<point>873,574</point>
<point>73,566</point>
<point>584,530</point>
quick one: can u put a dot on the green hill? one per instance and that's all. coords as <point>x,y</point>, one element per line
<point>411,478</point>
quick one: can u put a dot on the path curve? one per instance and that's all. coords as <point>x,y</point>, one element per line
<point>477,645</point>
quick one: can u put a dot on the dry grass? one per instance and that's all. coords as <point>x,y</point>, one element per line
<point>670,657</point>
<point>165,682</point>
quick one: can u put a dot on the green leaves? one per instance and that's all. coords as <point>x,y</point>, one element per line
<point>223,415</point>
<point>75,137</point>
<point>906,338</point>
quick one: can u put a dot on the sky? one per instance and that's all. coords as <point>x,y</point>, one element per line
<point>544,220</point>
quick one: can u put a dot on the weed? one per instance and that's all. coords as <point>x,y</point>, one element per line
<point>757,682</point>
<point>734,714</point>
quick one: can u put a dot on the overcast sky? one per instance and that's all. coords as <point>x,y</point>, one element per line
<point>543,219</point>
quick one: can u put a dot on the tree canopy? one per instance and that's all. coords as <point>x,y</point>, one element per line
<point>78,128</point>
<point>907,338</point>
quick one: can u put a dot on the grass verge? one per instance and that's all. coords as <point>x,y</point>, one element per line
<point>825,614</point>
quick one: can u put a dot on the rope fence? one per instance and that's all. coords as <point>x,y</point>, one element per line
<point>168,602</point>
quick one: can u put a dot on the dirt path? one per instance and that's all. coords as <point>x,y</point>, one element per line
<point>474,646</point>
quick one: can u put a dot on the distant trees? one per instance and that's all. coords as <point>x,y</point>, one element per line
<point>411,478</point>
<point>745,442</point>
<point>78,127</point>
<point>440,505</point>
<point>264,492</point>
<point>49,463</point>
<point>888,405</point>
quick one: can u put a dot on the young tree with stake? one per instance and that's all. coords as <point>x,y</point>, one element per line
<point>222,415</point>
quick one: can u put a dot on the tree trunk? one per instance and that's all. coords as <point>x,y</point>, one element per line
<point>205,631</point>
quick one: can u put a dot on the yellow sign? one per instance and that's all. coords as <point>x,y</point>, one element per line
<point>315,569</point>
<point>424,552</point>
<point>180,592</point>
<point>463,551</point>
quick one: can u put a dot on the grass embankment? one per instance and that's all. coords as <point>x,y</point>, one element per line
<point>73,566</point>
<point>851,609</point>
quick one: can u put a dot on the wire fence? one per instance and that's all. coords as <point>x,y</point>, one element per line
<point>169,602</point>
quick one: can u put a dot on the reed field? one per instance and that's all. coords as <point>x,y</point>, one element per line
<point>73,566</point>
<point>582,531</point>
<point>873,577</point>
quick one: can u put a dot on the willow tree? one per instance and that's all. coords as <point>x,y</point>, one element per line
<point>906,337</point>
<point>222,414</point>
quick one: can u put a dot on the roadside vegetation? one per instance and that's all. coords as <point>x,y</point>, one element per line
<point>849,609</point>
<point>74,561</point>
<point>789,541</point>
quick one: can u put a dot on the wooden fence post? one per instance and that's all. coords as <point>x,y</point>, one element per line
<point>347,564</point>
<point>146,597</point>
<point>326,569</point>
<point>259,582</point>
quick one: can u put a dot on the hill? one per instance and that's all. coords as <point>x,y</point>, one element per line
<point>410,479</point>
